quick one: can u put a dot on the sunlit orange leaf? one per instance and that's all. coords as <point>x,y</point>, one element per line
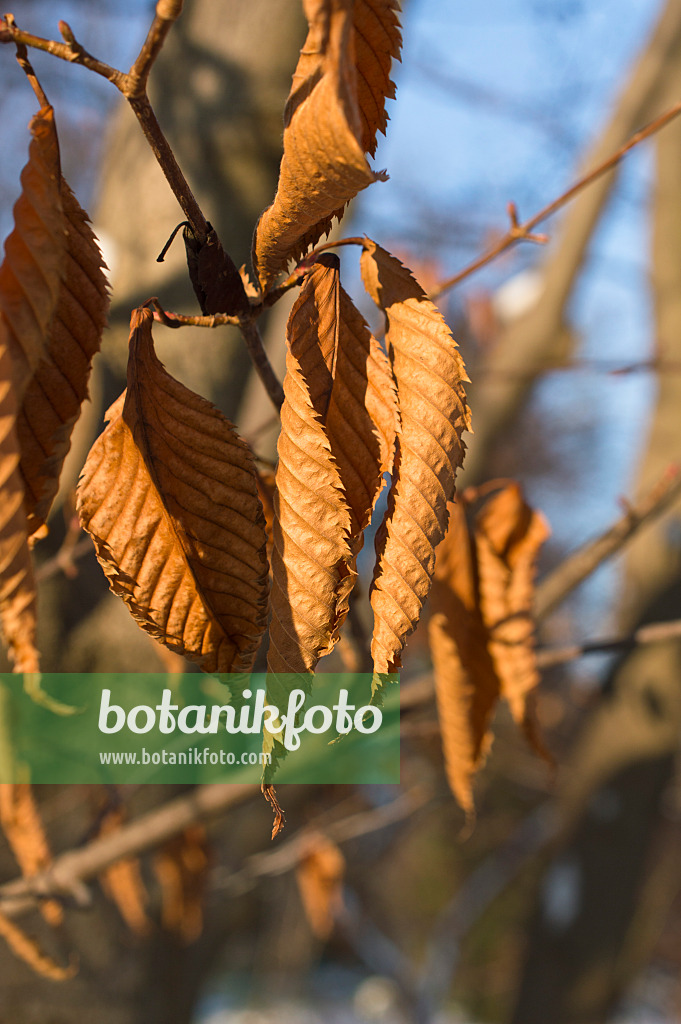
<point>337,441</point>
<point>430,375</point>
<point>32,271</point>
<point>30,282</point>
<point>324,163</point>
<point>311,559</point>
<point>53,305</point>
<point>361,418</point>
<point>320,874</point>
<point>58,387</point>
<point>169,495</point>
<point>466,684</point>
<point>377,43</point>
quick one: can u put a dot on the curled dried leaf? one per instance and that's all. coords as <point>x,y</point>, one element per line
<point>311,558</point>
<point>30,282</point>
<point>217,283</point>
<point>337,441</point>
<point>324,164</point>
<point>466,683</point>
<point>53,304</point>
<point>169,495</point>
<point>429,375</point>
<point>58,387</point>
<point>508,537</point>
<point>481,630</point>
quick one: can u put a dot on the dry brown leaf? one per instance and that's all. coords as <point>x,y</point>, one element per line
<point>337,441</point>
<point>59,385</point>
<point>466,684</point>
<point>319,875</point>
<point>481,630</point>
<point>429,375</point>
<point>31,273</point>
<point>378,42</point>
<point>266,486</point>
<point>17,583</point>
<point>169,495</point>
<point>311,557</point>
<point>270,794</point>
<point>324,164</point>
<point>508,536</point>
<point>29,951</point>
<point>361,418</point>
<point>23,828</point>
<point>181,866</point>
<point>30,281</point>
<point>53,306</point>
<point>123,883</point>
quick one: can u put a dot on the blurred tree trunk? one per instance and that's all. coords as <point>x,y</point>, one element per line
<point>592,927</point>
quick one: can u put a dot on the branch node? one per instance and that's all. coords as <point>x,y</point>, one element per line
<point>169,10</point>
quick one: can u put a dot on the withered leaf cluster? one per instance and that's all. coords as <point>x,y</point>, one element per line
<point>203,549</point>
<point>481,628</point>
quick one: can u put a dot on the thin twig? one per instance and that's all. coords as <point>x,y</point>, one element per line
<point>553,590</point>
<point>133,86</point>
<point>519,232</point>
<point>263,367</point>
<point>71,51</point>
<point>653,633</point>
<point>166,158</point>
<point>286,856</point>
<point>164,16</point>
<point>162,316</point>
<point>64,560</point>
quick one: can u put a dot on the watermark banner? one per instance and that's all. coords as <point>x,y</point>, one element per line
<point>195,728</point>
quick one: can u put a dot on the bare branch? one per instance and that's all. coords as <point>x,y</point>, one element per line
<point>133,87</point>
<point>286,856</point>
<point>654,633</point>
<point>70,50</point>
<point>263,367</point>
<point>68,872</point>
<point>166,13</point>
<point>524,231</point>
<point>553,590</point>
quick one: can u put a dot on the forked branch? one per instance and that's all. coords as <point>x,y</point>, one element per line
<point>133,85</point>
<point>524,232</point>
